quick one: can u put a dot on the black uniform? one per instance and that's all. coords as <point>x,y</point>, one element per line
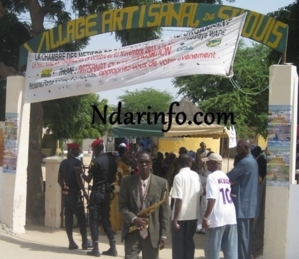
<point>103,169</point>
<point>72,198</point>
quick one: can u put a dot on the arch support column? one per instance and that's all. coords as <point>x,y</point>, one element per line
<point>13,178</point>
<point>282,192</point>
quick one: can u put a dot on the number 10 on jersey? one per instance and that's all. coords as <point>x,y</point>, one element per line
<point>226,195</point>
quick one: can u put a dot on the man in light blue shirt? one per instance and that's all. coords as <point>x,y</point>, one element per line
<point>245,179</point>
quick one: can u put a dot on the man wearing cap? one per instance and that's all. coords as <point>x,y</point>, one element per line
<point>220,215</point>
<point>103,173</point>
<point>245,196</point>
<point>70,185</point>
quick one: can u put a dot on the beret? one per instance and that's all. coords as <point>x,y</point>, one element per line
<point>96,142</point>
<point>73,146</point>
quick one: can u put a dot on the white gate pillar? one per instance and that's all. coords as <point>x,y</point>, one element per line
<point>13,180</point>
<point>282,210</point>
<point>53,192</point>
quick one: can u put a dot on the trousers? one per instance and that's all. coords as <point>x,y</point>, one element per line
<point>71,209</point>
<point>244,238</point>
<point>99,214</point>
<point>223,238</point>
<point>183,246</point>
<point>134,244</point>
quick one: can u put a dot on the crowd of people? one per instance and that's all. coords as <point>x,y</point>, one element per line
<point>130,193</point>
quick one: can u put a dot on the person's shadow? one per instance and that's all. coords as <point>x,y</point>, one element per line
<point>32,246</point>
<point>37,247</point>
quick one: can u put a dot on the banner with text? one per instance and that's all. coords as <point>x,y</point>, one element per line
<point>207,50</point>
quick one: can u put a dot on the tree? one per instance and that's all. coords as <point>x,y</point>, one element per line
<point>70,118</point>
<point>289,15</point>
<point>140,100</point>
<point>9,48</point>
<point>218,94</point>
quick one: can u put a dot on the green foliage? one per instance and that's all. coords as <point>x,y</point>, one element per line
<point>70,118</point>
<point>289,15</point>
<point>63,17</point>
<point>130,37</point>
<point>140,100</point>
<point>9,49</point>
<point>218,94</point>
<point>15,6</point>
<point>9,43</point>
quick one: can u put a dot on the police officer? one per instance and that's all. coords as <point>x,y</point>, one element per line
<point>71,184</point>
<point>103,172</point>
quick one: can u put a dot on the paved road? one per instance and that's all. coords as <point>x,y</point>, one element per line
<point>46,243</point>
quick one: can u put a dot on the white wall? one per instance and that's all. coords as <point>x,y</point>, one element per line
<point>293,224</point>
<point>276,214</point>
<point>53,192</point>
<point>14,185</point>
<point>1,190</point>
<point>1,168</point>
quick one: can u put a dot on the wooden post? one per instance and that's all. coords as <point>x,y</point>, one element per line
<point>284,58</point>
<point>222,143</point>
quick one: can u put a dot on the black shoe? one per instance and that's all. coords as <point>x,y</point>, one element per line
<point>73,246</point>
<point>94,252</point>
<point>111,251</point>
<point>86,245</point>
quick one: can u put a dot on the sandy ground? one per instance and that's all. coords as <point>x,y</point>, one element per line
<point>46,243</point>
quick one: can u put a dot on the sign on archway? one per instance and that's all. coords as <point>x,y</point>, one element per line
<point>207,50</point>
<point>258,27</point>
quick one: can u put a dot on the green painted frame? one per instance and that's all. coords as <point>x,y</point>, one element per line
<point>258,27</point>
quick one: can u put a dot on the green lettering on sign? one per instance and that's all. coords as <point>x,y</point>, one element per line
<point>258,27</point>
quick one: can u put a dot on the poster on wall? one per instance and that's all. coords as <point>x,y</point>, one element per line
<point>279,140</point>
<point>2,127</point>
<point>279,115</point>
<point>10,143</point>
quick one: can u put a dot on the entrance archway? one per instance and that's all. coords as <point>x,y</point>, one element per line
<point>258,27</point>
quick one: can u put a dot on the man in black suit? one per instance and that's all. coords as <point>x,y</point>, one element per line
<point>138,192</point>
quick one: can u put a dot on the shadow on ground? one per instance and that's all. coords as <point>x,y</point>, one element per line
<point>38,246</point>
<point>47,243</point>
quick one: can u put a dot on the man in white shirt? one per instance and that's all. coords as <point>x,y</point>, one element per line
<point>220,216</point>
<point>186,193</point>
